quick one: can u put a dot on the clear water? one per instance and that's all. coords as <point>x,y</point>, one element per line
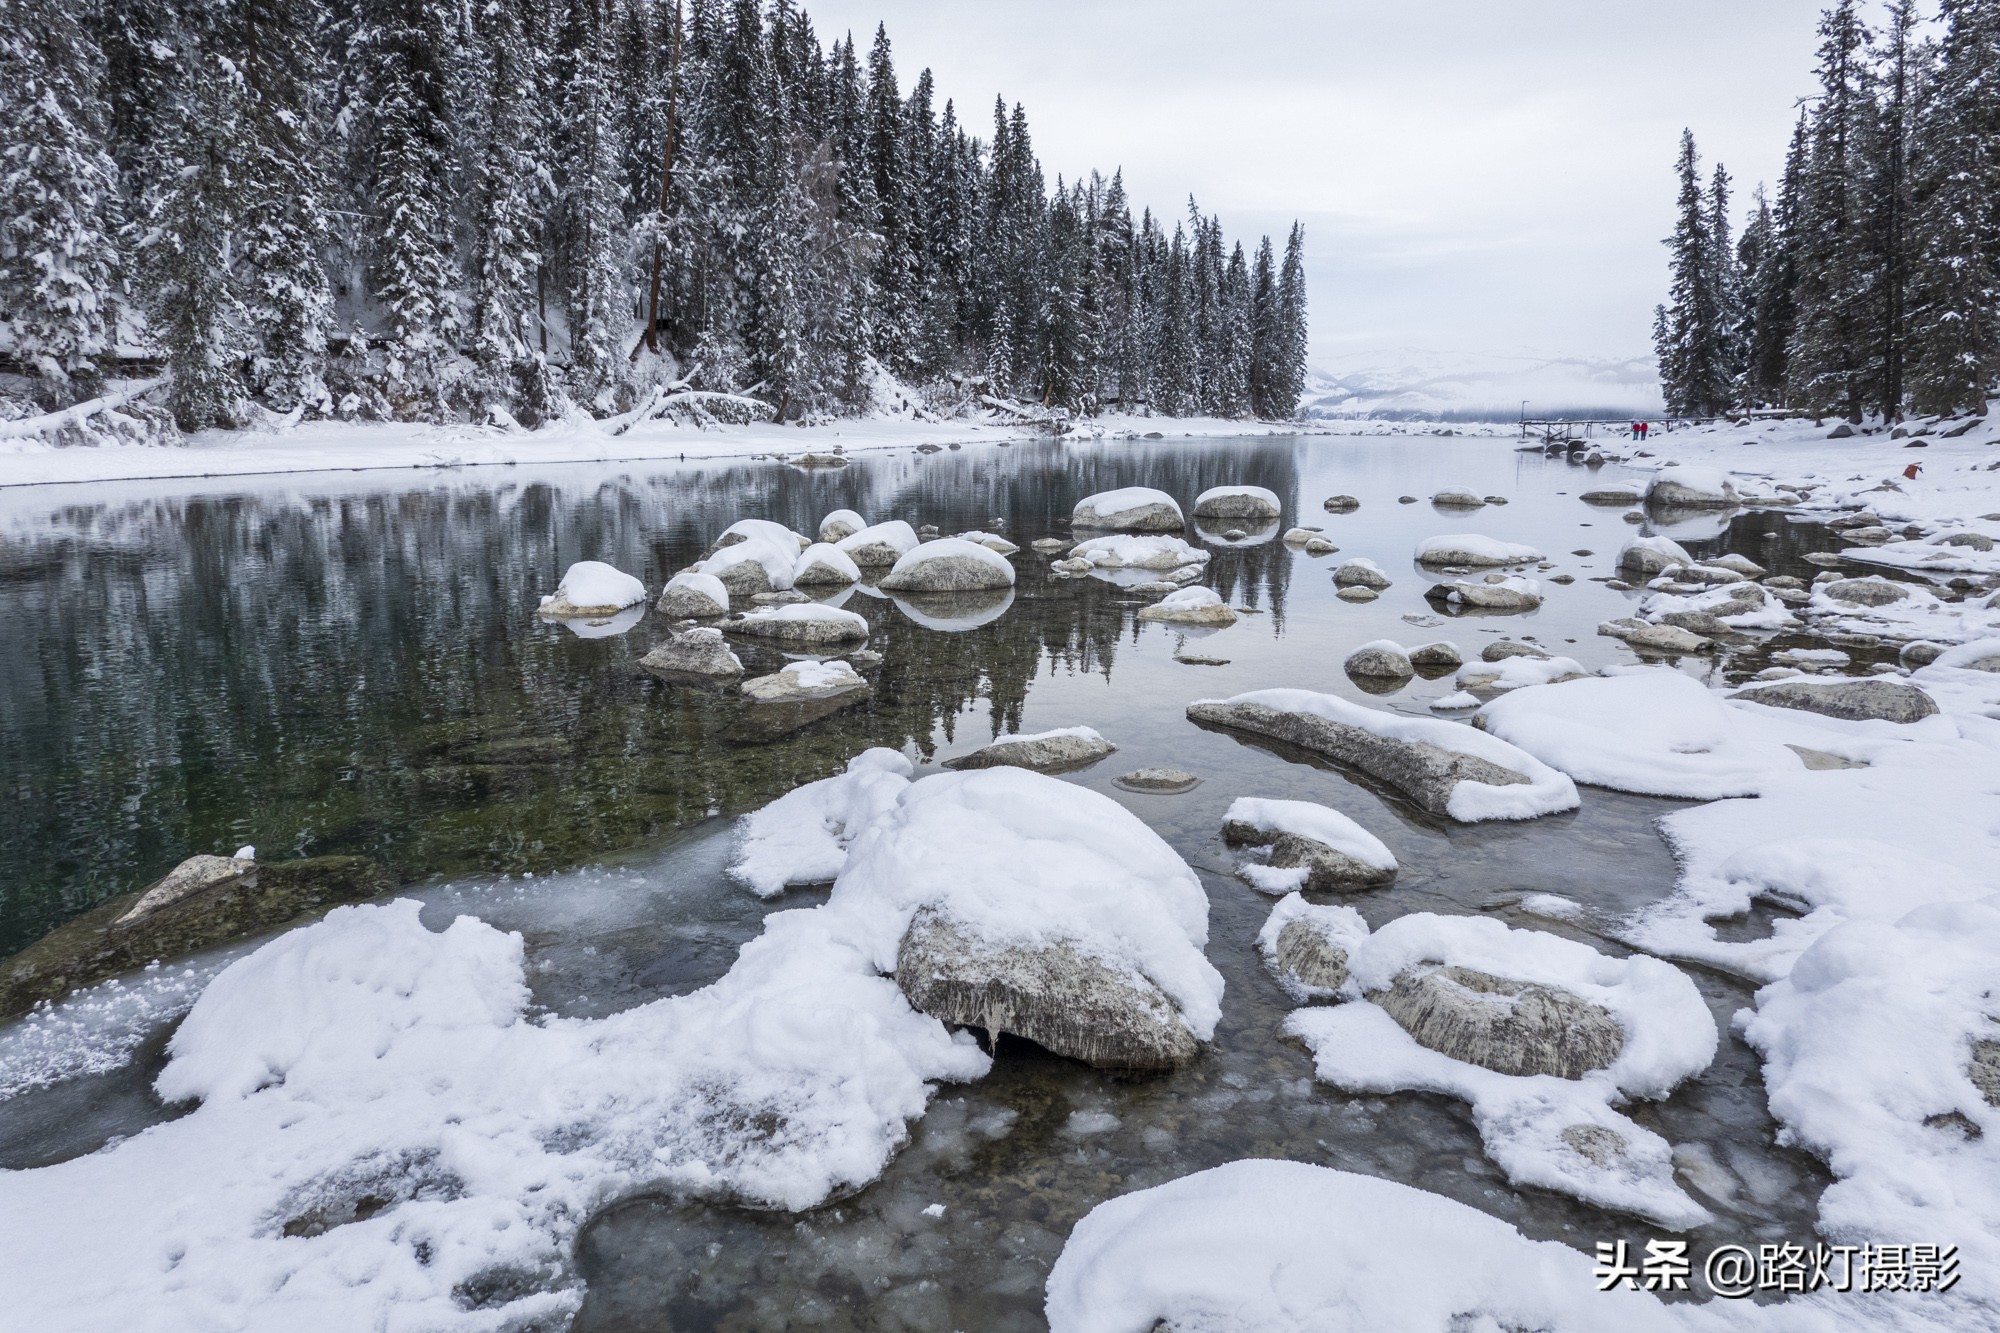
<point>352,665</point>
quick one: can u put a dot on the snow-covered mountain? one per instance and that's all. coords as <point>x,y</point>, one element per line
<point>1407,382</point>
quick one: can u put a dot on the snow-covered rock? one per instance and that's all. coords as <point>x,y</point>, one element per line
<point>1360,572</point>
<point>1263,1246</point>
<point>1190,606</point>
<point>1436,658</point>
<point>801,624</point>
<point>992,541</point>
<point>1865,591</point>
<point>1502,594</point>
<point>1644,557</point>
<point>1444,768</point>
<point>197,874</point>
<point>1306,946</point>
<point>1652,731</point>
<point>1692,488</point>
<point>1639,635</point>
<point>1514,673</point>
<point>1380,657</point>
<point>690,595</point>
<point>695,654</point>
<point>1131,509</point>
<point>1854,700</point>
<point>839,525</point>
<point>949,564</point>
<point>592,588</point>
<point>807,682</point>
<point>1586,1031</point>
<point>755,564</point>
<point>824,565</point>
<point>1126,552</point>
<point>1458,497</point>
<point>1055,751</point>
<point>879,544</point>
<point>1254,502</point>
<point>760,529</point>
<point>1312,846</point>
<point>1471,548</point>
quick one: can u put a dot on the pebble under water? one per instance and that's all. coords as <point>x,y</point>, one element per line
<point>508,768</point>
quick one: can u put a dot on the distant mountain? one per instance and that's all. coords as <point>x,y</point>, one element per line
<point>1406,383</point>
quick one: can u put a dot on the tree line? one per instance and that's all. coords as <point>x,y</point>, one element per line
<point>1872,284</point>
<point>417,209</point>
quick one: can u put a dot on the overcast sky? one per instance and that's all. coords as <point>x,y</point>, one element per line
<point>1487,176</point>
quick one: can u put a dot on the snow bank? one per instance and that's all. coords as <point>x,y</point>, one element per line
<point>1867,1046</point>
<point>802,837</point>
<point>1128,552</point>
<point>1547,1132</point>
<point>366,1063</point>
<point>1653,731</point>
<point>1471,548</point>
<point>592,585</point>
<point>1308,819</point>
<point>1927,556</point>
<point>1263,1246</point>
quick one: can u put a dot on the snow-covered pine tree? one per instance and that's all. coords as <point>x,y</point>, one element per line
<point>1265,333</point>
<point>1753,251</point>
<point>1774,308</point>
<point>1177,374</point>
<point>1828,358</point>
<point>1730,331</point>
<point>512,193</point>
<point>1954,315</point>
<point>1232,365</point>
<point>1288,363</point>
<point>594,241</point>
<point>1885,209</point>
<point>59,200</point>
<point>1693,374</point>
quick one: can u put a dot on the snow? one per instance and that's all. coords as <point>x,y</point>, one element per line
<point>1514,673</point>
<point>1669,1037</point>
<point>846,517</point>
<point>1866,1045</point>
<point>1456,700</point>
<point>1652,730</point>
<point>897,535</point>
<point>753,529</point>
<point>829,556</point>
<point>1768,613</point>
<point>1710,480</point>
<point>802,837</point>
<point>365,1056</point>
<point>1483,550</point>
<point>950,548</point>
<point>1545,792</point>
<point>778,557</point>
<point>707,585</point>
<point>1189,599</point>
<point>1108,508</point>
<point>1310,820</point>
<point>827,675</point>
<point>1339,924</point>
<point>1126,551</point>
<point>1926,556</point>
<point>594,583</point>
<point>1260,1246</point>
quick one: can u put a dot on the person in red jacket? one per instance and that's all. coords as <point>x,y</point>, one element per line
<point>1910,472</point>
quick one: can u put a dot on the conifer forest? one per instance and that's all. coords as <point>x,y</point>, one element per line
<point>1870,286</point>
<point>414,210</point>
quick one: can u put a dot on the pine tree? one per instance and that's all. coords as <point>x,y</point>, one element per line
<point>1753,252</point>
<point>1827,359</point>
<point>512,193</point>
<point>59,200</point>
<point>1886,207</point>
<point>1773,283</point>
<point>593,245</point>
<point>1288,363</point>
<point>1954,316</point>
<point>1693,371</point>
<point>1730,320</point>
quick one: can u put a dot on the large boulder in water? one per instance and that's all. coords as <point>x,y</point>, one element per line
<point>804,624</point>
<point>950,564</point>
<point>693,655</point>
<point>823,565</point>
<point>1866,591</point>
<point>879,545</point>
<point>1319,846</point>
<point>1508,1026</point>
<point>690,595</point>
<point>840,524</point>
<point>1045,752</point>
<point>1253,502</point>
<point>592,588</point>
<point>1132,509</point>
<point>1692,488</point>
<point>807,682</point>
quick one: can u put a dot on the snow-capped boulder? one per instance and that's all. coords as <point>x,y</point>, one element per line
<point>1043,909</point>
<point>1508,594</point>
<point>1236,502</point>
<point>804,624</point>
<point>1131,509</point>
<point>992,541</point>
<point>690,595</point>
<point>1471,548</point>
<point>807,682</point>
<point>839,525</point>
<point>824,565</point>
<point>1458,497</point>
<point>1692,488</point>
<point>802,837</point>
<point>1740,564</point>
<point>197,874</point>
<point>1644,557</point>
<point>1380,657</point>
<point>879,544</point>
<point>1852,700</point>
<point>1126,552</point>
<point>1514,673</point>
<point>1360,572</point>
<point>1312,846</point>
<point>1508,1026</point>
<point>694,654</point>
<point>1191,606</point>
<point>1643,637</point>
<point>760,529</point>
<point>755,564</point>
<point>1501,649</point>
<point>1436,658</point>
<point>1057,751</point>
<point>592,588</point>
<point>1306,946</point>
<point>1446,769</point>
<point>949,564</point>
<point>1865,591</point>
